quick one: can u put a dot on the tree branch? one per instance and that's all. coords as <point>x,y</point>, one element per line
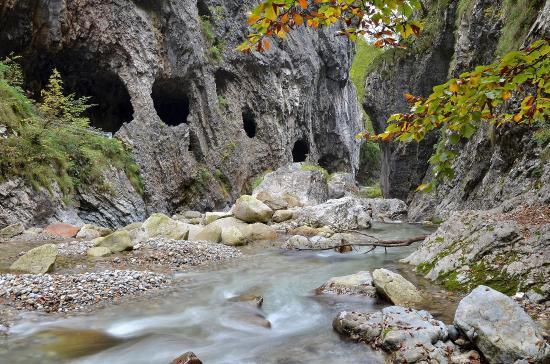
<point>373,244</point>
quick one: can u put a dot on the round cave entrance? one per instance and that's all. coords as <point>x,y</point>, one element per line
<point>170,101</point>
<point>249,123</point>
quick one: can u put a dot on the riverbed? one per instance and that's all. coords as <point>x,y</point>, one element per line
<point>197,316</point>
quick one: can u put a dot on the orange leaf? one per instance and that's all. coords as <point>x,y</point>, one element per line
<point>303,4</point>
<point>517,117</point>
<point>265,43</point>
<point>298,19</point>
<point>252,19</point>
<point>453,87</point>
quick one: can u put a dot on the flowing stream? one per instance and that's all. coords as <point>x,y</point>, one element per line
<point>198,317</point>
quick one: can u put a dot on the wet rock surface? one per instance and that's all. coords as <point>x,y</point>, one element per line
<point>359,283</point>
<point>500,328</point>
<point>395,288</point>
<point>410,336</point>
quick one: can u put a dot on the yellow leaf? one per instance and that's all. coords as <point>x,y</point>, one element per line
<point>252,19</point>
<point>453,87</point>
<point>517,118</point>
<point>506,95</point>
<point>298,19</point>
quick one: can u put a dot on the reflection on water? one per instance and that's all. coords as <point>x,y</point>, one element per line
<point>199,317</point>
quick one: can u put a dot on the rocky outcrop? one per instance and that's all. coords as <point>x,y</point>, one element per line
<point>500,328</point>
<point>409,336</point>
<point>201,118</point>
<point>39,260</point>
<point>507,251</point>
<point>494,165</point>
<point>308,186</point>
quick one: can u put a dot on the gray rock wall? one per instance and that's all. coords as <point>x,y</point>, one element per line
<point>176,59</point>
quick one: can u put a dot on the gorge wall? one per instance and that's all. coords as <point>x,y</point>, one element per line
<point>201,118</point>
<point>494,165</point>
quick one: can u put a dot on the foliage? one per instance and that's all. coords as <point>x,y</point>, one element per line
<point>216,46</point>
<point>256,181</point>
<point>369,160</point>
<point>371,191</point>
<point>50,142</point>
<point>364,54</point>
<point>387,21</point>
<point>514,90</point>
<point>518,15</point>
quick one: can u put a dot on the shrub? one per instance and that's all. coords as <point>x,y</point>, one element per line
<point>51,141</point>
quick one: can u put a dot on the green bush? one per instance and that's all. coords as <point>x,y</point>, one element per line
<point>51,141</point>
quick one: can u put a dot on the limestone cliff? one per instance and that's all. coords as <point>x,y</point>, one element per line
<point>494,165</point>
<point>202,119</point>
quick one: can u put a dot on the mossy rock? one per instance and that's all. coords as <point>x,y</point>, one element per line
<point>117,242</point>
<point>39,260</point>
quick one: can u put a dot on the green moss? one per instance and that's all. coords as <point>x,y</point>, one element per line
<point>371,191</point>
<point>256,181</point>
<point>425,267</point>
<point>518,16</point>
<point>314,167</point>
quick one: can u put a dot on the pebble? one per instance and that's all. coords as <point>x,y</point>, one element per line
<point>74,292</point>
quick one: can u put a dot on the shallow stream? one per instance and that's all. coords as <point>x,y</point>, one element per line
<point>196,316</point>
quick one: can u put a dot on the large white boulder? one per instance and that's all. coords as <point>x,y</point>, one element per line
<point>250,209</point>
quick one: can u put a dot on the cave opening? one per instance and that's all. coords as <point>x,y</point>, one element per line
<point>84,77</point>
<point>170,101</point>
<point>204,10</point>
<point>222,78</point>
<point>300,151</point>
<point>249,123</point>
<point>332,163</point>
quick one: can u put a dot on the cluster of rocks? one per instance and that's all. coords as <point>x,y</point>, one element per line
<point>488,325</point>
<point>509,250</point>
<point>76,292</point>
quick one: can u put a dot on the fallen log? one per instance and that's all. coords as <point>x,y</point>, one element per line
<point>375,244</point>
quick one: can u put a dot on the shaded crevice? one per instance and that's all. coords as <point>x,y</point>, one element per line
<point>203,8</point>
<point>170,101</point>
<point>249,123</point>
<point>222,78</point>
<point>333,163</point>
<point>300,151</point>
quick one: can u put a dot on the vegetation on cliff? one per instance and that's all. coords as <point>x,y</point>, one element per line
<point>50,141</point>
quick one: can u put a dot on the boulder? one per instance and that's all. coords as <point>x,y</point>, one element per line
<point>117,242</point>
<point>210,233</point>
<point>62,230</point>
<point>191,214</point>
<point>162,226</point>
<point>500,328</point>
<point>210,217</point>
<point>343,214</point>
<point>233,236</point>
<point>410,336</point>
<point>90,232</point>
<point>193,231</point>
<point>315,242</point>
<point>395,288</point>
<point>187,358</point>
<point>282,215</point>
<point>98,251</point>
<point>311,231</point>
<point>33,231</point>
<point>359,283</point>
<point>341,184</point>
<point>134,230</point>
<point>250,209</point>
<point>308,186</point>
<point>37,261</point>
<point>259,231</point>
<point>386,208</point>
<point>274,203</point>
<point>12,230</point>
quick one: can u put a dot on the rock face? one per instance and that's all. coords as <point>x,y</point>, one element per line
<point>500,328</point>
<point>458,39</point>
<point>359,283</point>
<point>410,336</point>
<point>37,261</point>
<point>250,209</point>
<point>507,251</point>
<point>202,119</point>
<point>308,186</point>
<point>395,288</point>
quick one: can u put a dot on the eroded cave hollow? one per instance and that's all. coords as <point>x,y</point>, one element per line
<point>300,151</point>
<point>84,77</point>
<point>171,102</point>
<point>249,123</point>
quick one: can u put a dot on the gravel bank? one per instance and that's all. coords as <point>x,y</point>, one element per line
<point>76,292</point>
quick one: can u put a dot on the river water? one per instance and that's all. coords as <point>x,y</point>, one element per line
<point>198,317</point>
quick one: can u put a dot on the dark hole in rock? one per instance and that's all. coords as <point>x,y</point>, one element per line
<point>222,79</point>
<point>300,151</point>
<point>249,123</point>
<point>203,8</point>
<point>84,77</point>
<point>171,102</point>
<point>331,163</point>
